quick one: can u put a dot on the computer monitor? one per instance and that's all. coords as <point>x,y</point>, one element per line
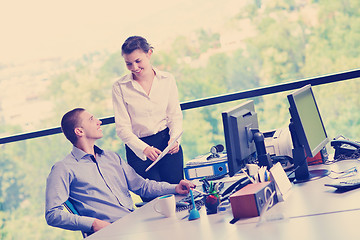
<point>238,124</point>
<point>307,132</point>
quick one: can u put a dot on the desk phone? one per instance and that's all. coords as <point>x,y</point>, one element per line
<point>345,148</point>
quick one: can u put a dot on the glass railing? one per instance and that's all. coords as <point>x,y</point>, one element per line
<point>258,92</point>
<point>26,159</point>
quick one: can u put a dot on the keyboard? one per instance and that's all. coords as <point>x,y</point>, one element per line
<point>186,203</point>
<point>346,184</point>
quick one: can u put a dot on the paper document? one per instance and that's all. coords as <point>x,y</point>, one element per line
<point>202,160</point>
<point>166,150</point>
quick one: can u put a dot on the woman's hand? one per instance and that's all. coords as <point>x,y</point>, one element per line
<point>152,153</point>
<point>175,148</point>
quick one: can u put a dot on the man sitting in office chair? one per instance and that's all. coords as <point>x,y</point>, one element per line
<point>97,182</point>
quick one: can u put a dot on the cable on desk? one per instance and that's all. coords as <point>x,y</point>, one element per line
<point>234,187</point>
<point>344,174</point>
<point>296,168</point>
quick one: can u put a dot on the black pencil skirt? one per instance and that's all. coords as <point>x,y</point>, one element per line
<point>168,169</point>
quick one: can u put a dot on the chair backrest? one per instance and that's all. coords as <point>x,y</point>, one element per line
<point>70,207</point>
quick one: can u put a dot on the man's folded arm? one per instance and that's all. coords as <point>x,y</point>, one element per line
<point>58,217</point>
<point>57,192</point>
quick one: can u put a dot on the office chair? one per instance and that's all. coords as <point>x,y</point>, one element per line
<point>70,207</point>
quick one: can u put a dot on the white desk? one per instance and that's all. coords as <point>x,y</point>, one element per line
<point>312,211</point>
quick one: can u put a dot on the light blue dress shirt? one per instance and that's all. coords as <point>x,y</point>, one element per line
<point>98,189</point>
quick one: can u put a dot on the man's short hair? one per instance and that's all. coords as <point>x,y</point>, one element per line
<point>69,122</point>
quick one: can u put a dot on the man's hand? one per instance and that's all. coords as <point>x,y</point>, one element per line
<point>184,187</point>
<point>152,153</point>
<point>175,148</point>
<point>99,224</point>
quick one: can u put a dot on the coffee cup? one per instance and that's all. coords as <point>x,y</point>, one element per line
<point>166,205</point>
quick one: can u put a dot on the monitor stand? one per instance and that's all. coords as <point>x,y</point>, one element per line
<point>302,173</point>
<point>264,158</point>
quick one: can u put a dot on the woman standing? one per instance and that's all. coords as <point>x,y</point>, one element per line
<point>148,114</point>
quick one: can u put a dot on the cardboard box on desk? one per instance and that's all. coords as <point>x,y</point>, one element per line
<point>250,200</point>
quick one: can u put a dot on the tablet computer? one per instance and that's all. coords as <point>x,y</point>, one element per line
<point>166,150</point>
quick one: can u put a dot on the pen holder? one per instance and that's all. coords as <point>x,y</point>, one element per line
<point>211,201</point>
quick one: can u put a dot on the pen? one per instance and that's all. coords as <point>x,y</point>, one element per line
<point>199,191</point>
<point>267,176</point>
<point>204,187</point>
<point>250,178</point>
<point>206,184</point>
<point>221,185</point>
